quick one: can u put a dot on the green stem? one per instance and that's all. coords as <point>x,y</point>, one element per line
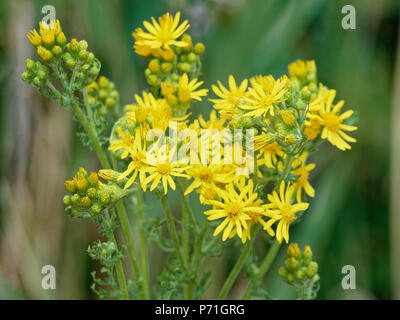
<point>235,271</point>
<point>118,264</point>
<point>187,205</point>
<point>92,135</point>
<point>286,170</point>
<point>265,265</point>
<point>172,230</point>
<point>123,217</point>
<point>143,247</point>
<point>187,287</point>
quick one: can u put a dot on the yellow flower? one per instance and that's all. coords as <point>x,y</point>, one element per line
<point>164,171</point>
<point>236,205</point>
<point>213,123</point>
<point>281,210</point>
<point>312,129</point>
<point>302,170</point>
<point>164,33</point>
<point>261,99</point>
<point>127,142</point>
<point>268,151</point>
<point>48,33</point>
<point>332,123</point>
<point>228,98</point>
<point>208,176</point>
<point>135,147</point>
<point>300,68</point>
<point>187,90</point>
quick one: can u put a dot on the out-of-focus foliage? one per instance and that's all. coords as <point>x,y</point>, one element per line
<point>347,223</point>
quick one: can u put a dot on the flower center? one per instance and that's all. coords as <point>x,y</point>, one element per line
<point>164,169</point>
<point>206,175</point>
<point>332,122</point>
<point>164,36</point>
<point>266,102</point>
<point>233,209</point>
<point>287,215</point>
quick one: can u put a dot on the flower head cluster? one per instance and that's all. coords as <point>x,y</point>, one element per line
<point>300,271</point>
<point>88,195</point>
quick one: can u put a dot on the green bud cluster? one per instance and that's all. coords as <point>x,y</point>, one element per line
<point>169,64</point>
<point>103,95</point>
<point>299,266</point>
<point>89,195</point>
<point>83,62</point>
<point>36,73</point>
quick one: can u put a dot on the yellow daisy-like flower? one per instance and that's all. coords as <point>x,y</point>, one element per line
<point>261,99</point>
<point>187,90</point>
<point>163,171</point>
<point>164,33</point>
<point>281,210</point>
<point>236,205</point>
<point>208,176</point>
<point>228,98</point>
<point>136,148</point>
<point>332,123</point>
<point>302,170</point>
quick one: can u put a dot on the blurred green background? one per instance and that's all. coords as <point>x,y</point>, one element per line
<point>355,217</point>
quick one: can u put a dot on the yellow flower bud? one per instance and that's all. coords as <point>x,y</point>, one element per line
<point>290,139</point>
<point>85,202</point>
<point>307,253</point>
<point>80,183</point>
<point>199,48</point>
<point>293,250</point>
<point>44,54</point>
<point>74,45</point>
<point>188,39</point>
<point>34,38</point>
<point>288,118</point>
<point>93,179</point>
<point>70,186</point>
<point>105,199</point>
<point>154,66</point>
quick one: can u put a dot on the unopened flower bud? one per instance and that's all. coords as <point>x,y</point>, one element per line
<point>307,253</point>
<point>93,179</point>
<point>95,208</point>
<point>75,199</point>
<point>30,65</point>
<point>70,186</point>
<point>104,199</point>
<point>288,118</point>
<point>293,250</point>
<point>154,66</point>
<point>44,54</point>
<point>199,48</point>
<point>91,193</point>
<point>85,202</point>
<point>166,67</point>
<point>191,57</point>
<point>67,200</point>
<point>290,139</point>
<point>82,45</point>
<point>74,45</point>
<point>61,40</point>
